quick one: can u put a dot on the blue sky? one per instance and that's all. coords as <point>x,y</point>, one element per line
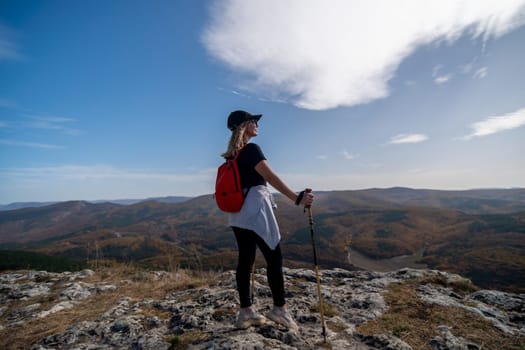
<point>129,99</point>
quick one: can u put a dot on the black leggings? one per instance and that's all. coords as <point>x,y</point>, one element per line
<point>247,242</point>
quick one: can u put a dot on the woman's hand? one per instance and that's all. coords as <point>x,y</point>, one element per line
<point>308,199</point>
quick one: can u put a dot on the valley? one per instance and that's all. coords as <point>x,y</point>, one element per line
<point>363,262</point>
<point>478,234</point>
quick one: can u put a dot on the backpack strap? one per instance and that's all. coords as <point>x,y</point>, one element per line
<point>238,152</point>
<point>247,189</point>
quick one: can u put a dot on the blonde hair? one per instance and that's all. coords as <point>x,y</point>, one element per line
<point>236,141</point>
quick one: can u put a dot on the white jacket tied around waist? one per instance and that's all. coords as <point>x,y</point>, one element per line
<point>257,215</point>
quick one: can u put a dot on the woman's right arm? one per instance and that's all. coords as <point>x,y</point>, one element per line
<point>264,169</point>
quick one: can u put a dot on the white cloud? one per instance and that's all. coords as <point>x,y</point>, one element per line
<point>52,123</point>
<point>442,79</point>
<point>44,122</point>
<point>481,73</point>
<point>29,144</point>
<point>7,103</point>
<point>466,68</point>
<point>91,172</point>
<point>91,182</point>
<point>408,138</point>
<point>348,155</point>
<point>321,157</point>
<point>436,69</point>
<point>8,49</point>
<point>321,55</point>
<point>496,124</point>
<point>432,178</point>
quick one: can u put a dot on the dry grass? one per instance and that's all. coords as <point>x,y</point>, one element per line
<point>131,282</point>
<point>329,310</point>
<point>182,341</point>
<point>461,286</point>
<point>415,322</point>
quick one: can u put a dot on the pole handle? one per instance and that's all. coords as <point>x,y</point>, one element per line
<point>308,190</point>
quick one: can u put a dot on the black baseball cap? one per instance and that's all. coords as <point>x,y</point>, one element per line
<point>236,118</point>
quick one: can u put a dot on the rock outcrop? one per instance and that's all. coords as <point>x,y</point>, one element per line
<point>203,318</point>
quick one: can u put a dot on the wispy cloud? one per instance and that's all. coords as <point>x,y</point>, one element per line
<point>436,178</point>
<point>495,124</point>
<point>295,50</point>
<point>42,122</point>
<point>8,48</point>
<point>7,103</point>
<point>55,123</point>
<point>90,182</point>
<point>348,155</point>
<point>235,92</point>
<point>481,73</point>
<point>29,144</point>
<point>321,157</point>
<point>436,69</point>
<point>438,77</point>
<point>101,171</point>
<point>408,138</point>
<point>442,79</point>
<point>468,68</point>
<point>46,124</point>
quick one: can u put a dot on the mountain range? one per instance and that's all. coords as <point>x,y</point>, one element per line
<point>167,199</point>
<point>476,233</point>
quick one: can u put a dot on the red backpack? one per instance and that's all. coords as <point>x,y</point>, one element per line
<point>228,190</point>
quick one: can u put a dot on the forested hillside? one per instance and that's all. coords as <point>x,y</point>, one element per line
<point>479,233</point>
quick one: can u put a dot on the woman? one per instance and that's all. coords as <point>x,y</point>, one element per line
<point>255,225</point>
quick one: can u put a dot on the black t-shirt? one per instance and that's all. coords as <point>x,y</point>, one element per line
<point>249,157</point>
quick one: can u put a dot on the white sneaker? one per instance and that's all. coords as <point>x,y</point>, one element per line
<point>247,318</point>
<point>282,317</point>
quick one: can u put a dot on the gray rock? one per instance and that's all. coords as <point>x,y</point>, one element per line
<point>24,291</point>
<point>77,291</point>
<point>505,301</point>
<point>120,326</point>
<point>64,305</point>
<point>204,317</point>
<point>86,273</point>
<point>385,342</point>
<point>511,322</point>
<point>450,342</point>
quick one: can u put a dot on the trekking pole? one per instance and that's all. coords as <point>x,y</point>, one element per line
<point>253,282</point>
<point>321,307</point>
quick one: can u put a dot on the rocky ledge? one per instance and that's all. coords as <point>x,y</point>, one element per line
<point>203,317</point>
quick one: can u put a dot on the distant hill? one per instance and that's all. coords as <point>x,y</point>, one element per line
<point>21,205</point>
<point>477,233</point>
<point>167,199</point>
<point>482,201</point>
